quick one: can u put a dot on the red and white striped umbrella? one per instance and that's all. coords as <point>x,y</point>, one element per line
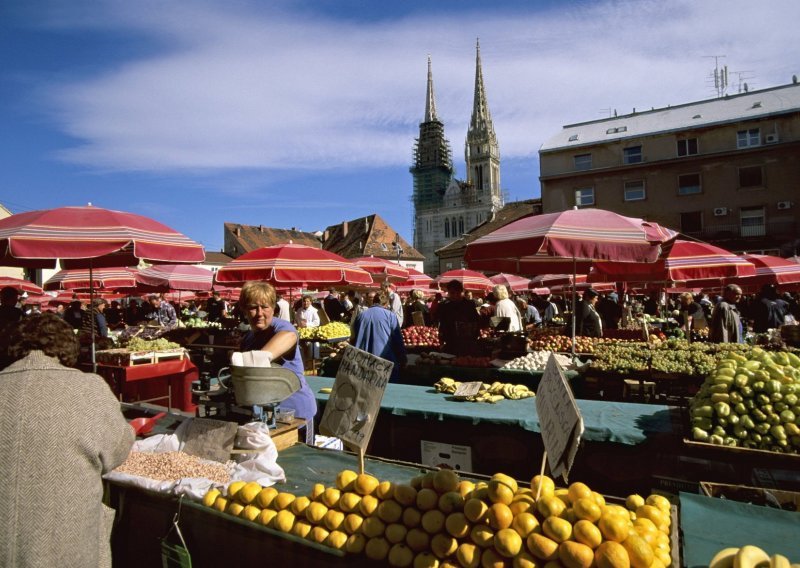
<point>770,270</point>
<point>416,281</point>
<point>292,264</point>
<point>101,279</point>
<point>470,279</point>
<point>174,277</point>
<point>91,236</point>
<point>20,285</point>
<point>511,281</point>
<point>686,261</point>
<point>382,269</point>
<point>554,241</point>
<point>546,280</point>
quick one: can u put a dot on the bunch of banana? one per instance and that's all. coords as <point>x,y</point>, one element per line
<point>509,391</point>
<point>446,385</point>
<point>488,392</point>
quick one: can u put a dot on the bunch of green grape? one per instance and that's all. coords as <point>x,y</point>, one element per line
<point>160,344</point>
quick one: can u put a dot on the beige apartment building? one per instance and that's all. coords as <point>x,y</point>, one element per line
<point>725,170</point>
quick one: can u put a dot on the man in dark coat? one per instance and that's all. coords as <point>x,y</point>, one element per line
<point>588,322</point>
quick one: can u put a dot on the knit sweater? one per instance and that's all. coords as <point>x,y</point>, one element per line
<point>60,430</point>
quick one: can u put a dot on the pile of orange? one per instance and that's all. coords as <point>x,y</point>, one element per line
<point>439,520</point>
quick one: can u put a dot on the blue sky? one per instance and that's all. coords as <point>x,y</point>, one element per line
<point>304,113</point>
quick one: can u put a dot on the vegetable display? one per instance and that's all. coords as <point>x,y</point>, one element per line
<point>750,400</point>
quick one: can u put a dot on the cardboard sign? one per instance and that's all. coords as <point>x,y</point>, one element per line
<point>468,389</point>
<point>356,396</point>
<point>560,419</point>
<point>210,439</point>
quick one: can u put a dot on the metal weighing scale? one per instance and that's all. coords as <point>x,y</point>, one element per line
<point>238,389</point>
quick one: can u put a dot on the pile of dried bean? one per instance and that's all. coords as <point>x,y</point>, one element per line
<point>171,466</point>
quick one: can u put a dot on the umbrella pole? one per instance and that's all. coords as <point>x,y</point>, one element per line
<point>91,315</point>
<point>574,303</point>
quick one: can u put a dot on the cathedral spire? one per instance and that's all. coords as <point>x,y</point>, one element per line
<point>481,117</point>
<point>430,101</point>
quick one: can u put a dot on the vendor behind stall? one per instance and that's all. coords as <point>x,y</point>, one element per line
<point>163,314</point>
<point>279,340</point>
<point>458,321</point>
<point>60,430</point>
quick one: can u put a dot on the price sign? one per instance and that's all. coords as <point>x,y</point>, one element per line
<point>468,389</point>
<point>355,398</point>
<point>560,419</point>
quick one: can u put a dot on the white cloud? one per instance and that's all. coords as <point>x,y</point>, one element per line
<point>226,88</point>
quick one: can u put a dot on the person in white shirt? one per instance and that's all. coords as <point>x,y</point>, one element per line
<point>307,315</point>
<point>282,309</point>
<point>395,304</point>
<point>506,308</point>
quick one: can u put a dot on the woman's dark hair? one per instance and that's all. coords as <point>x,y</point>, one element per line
<point>44,332</point>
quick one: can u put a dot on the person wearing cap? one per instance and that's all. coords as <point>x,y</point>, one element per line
<point>588,322</point>
<point>9,312</point>
<point>458,321</point>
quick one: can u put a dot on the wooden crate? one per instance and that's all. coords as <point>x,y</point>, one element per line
<point>788,500</point>
<point>125,358</point>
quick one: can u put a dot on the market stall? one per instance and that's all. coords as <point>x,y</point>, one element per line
<point>505,436</point>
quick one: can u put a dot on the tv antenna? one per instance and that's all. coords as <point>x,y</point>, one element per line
<point>719,75</point>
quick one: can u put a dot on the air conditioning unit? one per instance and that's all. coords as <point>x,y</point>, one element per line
<point>785,204</point>
<point>720,211</point>
<point>771,138</point>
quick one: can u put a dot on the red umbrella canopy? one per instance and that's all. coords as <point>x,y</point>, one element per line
<point>550,242</point>
<point>167,277</point>
<point>771,270</point>
<point>102,278</point>
<point>91,236</point>
<point>511,281</point>
<point>293,264</point>
<point>686,261</point>
<point>382,269</point>
<point>416,281</point>
<point>546,280</point>
<point>21,285</point>
<point>471,280</point>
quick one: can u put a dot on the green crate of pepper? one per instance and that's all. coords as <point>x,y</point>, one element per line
<point>750,400</point>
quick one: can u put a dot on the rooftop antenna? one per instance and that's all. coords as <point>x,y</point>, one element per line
<point>719,75</point>
<point>743,76</point>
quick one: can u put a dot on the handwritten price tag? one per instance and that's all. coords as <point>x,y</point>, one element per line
<point>467,389</point>
<point>560,419</point>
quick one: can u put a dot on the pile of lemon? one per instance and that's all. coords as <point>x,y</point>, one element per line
<point>440,520</point>
<point>332,330</point>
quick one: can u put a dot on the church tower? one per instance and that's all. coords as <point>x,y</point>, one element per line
<point>446,208</point>
<point>432,172</point>
<point>481,151</point>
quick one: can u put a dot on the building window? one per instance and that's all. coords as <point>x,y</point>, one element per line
<point>447,228</point>
<point>634,190</point>
<point>584,197</point>
<point>573,138</point>
<point>692,222</point>
<point>632,155</point>
<point>753,222</point>
<point>748,138</point>
<point>687,147</point>
<point>689,184</point>
<point>460,226</point>
<point>583,162</point>
<point>751,176</point>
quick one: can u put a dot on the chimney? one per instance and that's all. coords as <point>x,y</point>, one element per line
<point>344,228</point>
<point>366,224</point>
<point>238,230</point>
<point>325,235</point>
<point>261,228</point>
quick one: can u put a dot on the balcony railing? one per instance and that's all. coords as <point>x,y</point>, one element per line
<point>751,229</point>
